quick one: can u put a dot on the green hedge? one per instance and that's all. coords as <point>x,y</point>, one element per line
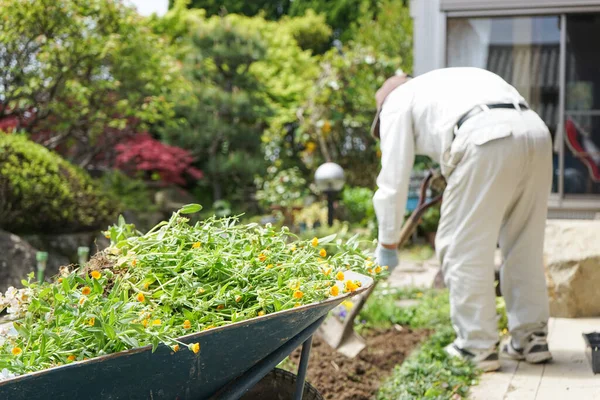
<point>42,193</point>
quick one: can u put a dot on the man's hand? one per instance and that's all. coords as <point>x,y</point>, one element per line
<point>386,255</point>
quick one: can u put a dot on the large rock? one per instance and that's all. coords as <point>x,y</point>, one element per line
<point>17,259</point>
<point>572,260</point>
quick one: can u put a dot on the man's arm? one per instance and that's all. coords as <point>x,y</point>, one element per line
<point>398,155</point>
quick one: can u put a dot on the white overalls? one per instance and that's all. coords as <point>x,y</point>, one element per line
<point>498,167</point>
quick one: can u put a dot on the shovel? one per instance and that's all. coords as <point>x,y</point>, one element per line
<point>340,335</point>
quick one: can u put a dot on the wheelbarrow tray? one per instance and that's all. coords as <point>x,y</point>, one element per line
<point>226,353</point>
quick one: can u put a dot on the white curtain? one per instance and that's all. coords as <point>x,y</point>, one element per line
<point>468,42</point>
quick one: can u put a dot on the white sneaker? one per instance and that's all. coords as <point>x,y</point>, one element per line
<point>485,360</point>
<point>535,351</point>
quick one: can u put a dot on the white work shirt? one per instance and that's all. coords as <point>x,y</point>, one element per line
<point>418,118</point>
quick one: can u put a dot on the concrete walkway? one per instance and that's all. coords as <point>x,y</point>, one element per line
<point>568,376</point>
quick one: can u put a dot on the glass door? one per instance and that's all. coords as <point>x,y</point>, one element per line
<point>582,106</point>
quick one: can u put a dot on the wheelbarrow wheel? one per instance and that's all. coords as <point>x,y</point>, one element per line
<point>280,385</point>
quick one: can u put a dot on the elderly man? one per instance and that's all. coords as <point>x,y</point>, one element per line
<point>496,156</point>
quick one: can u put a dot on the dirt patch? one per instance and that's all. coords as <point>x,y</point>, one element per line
<point>340,378</point>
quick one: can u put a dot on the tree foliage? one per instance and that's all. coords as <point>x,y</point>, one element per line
<point>142,156</point>
<point>226,114</point>
<point>336,119</point>
<point>386,28</point>
<point>79,75</point>
<point>271,9</point>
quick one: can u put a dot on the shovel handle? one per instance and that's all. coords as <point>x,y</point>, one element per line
<point>413,221</point>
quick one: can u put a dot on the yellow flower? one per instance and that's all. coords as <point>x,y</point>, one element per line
<point>370,271</point>
<point>327,272</point>
<point>60,280</point>
<point>86,290</point>
<point>419,295</point>
<point>326,128</point>
<point>369,263</point>
<point>91,321</point>
<point>96,275</point>
<point>145,323</point>
<point>209,327</point>
<point>294,285</point>
<point>187,324</point>
<point>238,299</point>
<point>82,300</point>
<point>315,242</point>
<point>348,305</point>
<point>297,305</point>
<point>340,276</point>
<point>156,322</point>
<point>293,249</point>
<point>220,307</point>
<point>377,269</point>
<point>133,262</point>
<point>146,284</point>
<point>298,294</point>
<point>261,313</point>
<point>16,351</point>
<point>196,245</point>
<point>107,236</point>
<point>195,347</point>
<point>71,358</point>
<point>176,348</point>
<point>140,297</point>
<point>334,290</point>
<point>351,286</point>
<point>262,257</point>
<point>311,146</point>
<point>386,267</point>
<point>269,266</point>
<point>323,253</point>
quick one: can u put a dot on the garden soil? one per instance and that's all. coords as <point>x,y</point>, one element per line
<point>340,378</point>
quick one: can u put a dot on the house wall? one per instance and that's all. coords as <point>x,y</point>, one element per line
<point>429,35</point>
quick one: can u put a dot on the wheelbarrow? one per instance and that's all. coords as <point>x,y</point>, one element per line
<point>231,361</point>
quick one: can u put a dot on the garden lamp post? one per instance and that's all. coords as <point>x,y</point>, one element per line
<point>329,179</point>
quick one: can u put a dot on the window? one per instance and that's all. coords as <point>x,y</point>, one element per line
<point>525,51</point>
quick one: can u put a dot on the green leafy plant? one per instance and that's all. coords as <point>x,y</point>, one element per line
<point>133,194</point>
<point>312,216</point>
<point>431,219</point>
<point>283,188</point>
<point>42,193</point>
<point>176,279</point>
<point>358,202</point>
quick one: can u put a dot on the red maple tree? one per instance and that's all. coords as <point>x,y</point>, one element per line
<point>143,153</point>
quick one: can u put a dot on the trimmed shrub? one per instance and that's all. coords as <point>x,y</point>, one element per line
<point>40,192</point>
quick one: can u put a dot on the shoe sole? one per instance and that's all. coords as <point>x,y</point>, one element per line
<point>489,366</point>
<point>538,357</point>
